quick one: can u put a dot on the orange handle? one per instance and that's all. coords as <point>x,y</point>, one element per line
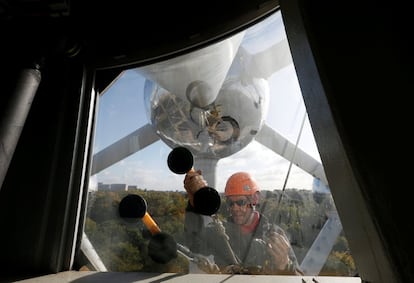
<point>150,224</point>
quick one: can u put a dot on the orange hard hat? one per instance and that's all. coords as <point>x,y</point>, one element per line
<point>241,183</point>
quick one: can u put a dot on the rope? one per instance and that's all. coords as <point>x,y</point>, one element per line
<point>291,161</point>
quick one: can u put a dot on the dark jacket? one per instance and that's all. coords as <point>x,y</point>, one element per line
<point>229,246</point>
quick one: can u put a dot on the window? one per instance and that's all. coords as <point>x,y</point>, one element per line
<point>237,106</point>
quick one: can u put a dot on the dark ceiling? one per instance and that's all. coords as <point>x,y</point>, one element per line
<point>121,32</point>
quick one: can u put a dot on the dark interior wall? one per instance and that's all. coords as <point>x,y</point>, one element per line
<point>39,196</point>
<point>363,56</point>
<point>37,199</point>
<point>364,60</point>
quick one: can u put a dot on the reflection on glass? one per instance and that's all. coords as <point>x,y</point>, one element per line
<point>237,106</point>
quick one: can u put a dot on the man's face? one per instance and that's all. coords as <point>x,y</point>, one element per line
<point>240,209</point>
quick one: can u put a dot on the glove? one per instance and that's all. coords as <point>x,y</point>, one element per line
<point>278,248</point>
<point>206,265</point>
<point>193,181</point>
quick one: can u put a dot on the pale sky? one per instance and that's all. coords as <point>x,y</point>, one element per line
<point>122,111</point>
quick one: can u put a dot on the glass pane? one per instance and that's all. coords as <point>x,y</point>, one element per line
<point>235,106</point>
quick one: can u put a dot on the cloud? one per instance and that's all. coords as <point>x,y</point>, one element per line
<point>269,169</point>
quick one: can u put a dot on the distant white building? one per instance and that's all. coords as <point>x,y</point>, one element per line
<point>103,187</point>
<point>119,187</point>
<point>112,187</point>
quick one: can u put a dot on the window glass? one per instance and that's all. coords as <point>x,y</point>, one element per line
<point>236,106</point>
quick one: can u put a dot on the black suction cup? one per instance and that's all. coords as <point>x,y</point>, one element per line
<point>207,201</point>
<point>162,248</point>
<point>180,160</point>
<point>132,208</point>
